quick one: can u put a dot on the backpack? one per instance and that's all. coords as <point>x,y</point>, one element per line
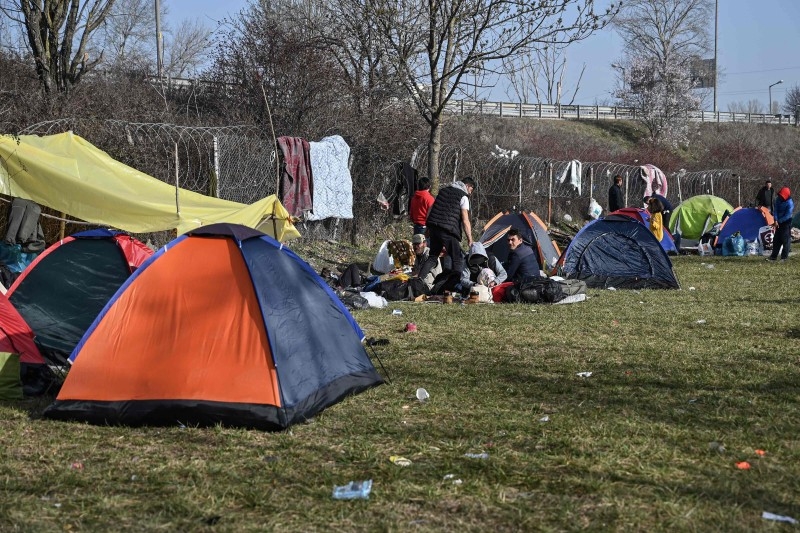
<point>394,290</point>
<point>446,281</point>
<point>536,290</point>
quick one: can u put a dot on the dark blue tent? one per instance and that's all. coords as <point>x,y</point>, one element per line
<point>618,252</point>
<point>747,221</point>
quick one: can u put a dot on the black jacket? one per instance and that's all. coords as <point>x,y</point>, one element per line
<point>445,212</point>
<point>615,199</point>
<point>766,198</point>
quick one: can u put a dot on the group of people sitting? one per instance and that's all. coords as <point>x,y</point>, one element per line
<point>433,262</point>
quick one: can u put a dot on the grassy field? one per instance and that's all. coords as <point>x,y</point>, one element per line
<point>684,385</point>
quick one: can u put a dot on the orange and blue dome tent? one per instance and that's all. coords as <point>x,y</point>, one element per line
<point>60,293</point>
<point>532,230</point>
<point>223,325</point>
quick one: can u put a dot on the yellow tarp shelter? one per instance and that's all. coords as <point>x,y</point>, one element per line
<point>67,173</point>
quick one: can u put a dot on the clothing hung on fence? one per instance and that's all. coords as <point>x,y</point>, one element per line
<point>405,184</point>
<point>23,225</point>
<point>655,180</point>
<point>572,174</point>
<point>333,184</point>
<point>296,184</point>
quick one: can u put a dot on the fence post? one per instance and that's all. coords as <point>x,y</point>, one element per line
<point>520,108</point>
<point>797,116</point>
<point>739,186</point>
<point>579,112</point>
<point>680,194</point>
<point>615,112</point>
<point>462,108</point>
<point>712,184</point>
<point>215,191</point>
<point>627,173</point>
<point>591,182</point>
<point>501,109</point>
<point>520,186</point>
<point>539,105</point>
<point>177,184</point>
<point>597,112</point>
<point>549,193</point>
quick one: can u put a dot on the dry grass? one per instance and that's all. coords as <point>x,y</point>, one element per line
<point>625,449</point>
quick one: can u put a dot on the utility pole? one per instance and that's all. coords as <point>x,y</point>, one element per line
<point>716,34</point>
<point>159,41</point>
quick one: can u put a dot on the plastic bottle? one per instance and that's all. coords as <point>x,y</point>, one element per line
<point>355,490</point>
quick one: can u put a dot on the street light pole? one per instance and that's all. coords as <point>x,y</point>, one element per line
<point>770,94</point>
<point>614,65</point>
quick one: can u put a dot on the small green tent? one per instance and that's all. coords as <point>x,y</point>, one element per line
<point>697,215</point>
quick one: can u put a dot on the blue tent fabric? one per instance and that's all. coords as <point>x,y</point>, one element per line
<point>747,221</point>
<point>643,216</point>
<point>621,253</point>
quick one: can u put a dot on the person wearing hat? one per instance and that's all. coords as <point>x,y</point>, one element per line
<point>766,196</point>
<point>448,215</point>
<point>422,253</point>
<point>784,206</point>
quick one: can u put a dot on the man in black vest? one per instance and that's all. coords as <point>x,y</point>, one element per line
<point>615,198</point>
<point>448,214</point>
<point>766,196</point>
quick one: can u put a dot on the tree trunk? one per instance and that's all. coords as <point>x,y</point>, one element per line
<point>434,150</point>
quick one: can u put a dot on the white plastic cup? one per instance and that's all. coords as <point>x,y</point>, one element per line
<point>422,394</point>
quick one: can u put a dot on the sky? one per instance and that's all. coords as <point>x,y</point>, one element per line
<point>757,46</point>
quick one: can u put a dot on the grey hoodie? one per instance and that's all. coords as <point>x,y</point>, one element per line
<point>477,255</point>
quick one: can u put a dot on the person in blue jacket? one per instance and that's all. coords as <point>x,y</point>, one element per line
<point>782,211</point>
<point>522,260</point>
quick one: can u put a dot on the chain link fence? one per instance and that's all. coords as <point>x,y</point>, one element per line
<point>239,163</point>
<point>534,183</point>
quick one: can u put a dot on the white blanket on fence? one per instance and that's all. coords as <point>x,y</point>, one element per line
<point>333,185</point>
<point>572,174</point>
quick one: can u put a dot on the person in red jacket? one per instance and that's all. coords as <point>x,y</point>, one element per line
<point>421,203</point>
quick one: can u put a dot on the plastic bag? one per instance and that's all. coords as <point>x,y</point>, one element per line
<point>753,247</point>
<point>595,210</point>
<point>766,235</point>
<point>383,262</point>
<point>705,248</point>
<point>734,245</point>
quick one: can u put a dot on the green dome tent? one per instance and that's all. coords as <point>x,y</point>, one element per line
<point>697,215</point>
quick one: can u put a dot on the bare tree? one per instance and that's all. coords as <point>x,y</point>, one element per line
<point>539,76</point>
<point>750,106</point>
<point>432,45</point>
<point>792,103</point>
<point>128,34</point>
<point>666,30</point>
<point>187,48</point>
<point>58,34</point>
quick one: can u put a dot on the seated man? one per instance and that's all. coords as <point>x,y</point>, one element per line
<point>477,260</point>
<point>422,253</point>
<point>522,261</point>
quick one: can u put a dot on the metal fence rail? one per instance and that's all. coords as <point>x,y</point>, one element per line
<point>595,112</point>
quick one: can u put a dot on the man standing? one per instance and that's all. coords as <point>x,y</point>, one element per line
<point>421,203</point>
<point>447,216</point>
<point>766,196</point>
<point>616,200</point>
<point>783,220</point>
<point>522,261</point>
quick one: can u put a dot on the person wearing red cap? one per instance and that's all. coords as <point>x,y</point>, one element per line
<point>782,211</point>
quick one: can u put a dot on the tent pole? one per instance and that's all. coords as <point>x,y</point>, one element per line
<point>591,182</point>
<point>550,193</point>
<point>62,226</point>
<point>177,183</point>
<point>739,186</point>
<point>627,173</point>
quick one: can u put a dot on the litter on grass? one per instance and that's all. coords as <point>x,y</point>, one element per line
<point>715,446</point>
<point>761,453</point>
<point>477,455</point>
<point>584,374</point>
<point>400,460</point>
<point>397,312</point>
<point>545,418</point>
<point>701,321</point>
<point>778,518</point>
<point>355,490</point>
<point>744,465</point>
<point>422,394</point>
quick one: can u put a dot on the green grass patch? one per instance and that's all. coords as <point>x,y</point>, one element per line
<point>627,448</point>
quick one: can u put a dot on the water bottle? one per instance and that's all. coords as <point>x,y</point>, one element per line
<point>355,490</point>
